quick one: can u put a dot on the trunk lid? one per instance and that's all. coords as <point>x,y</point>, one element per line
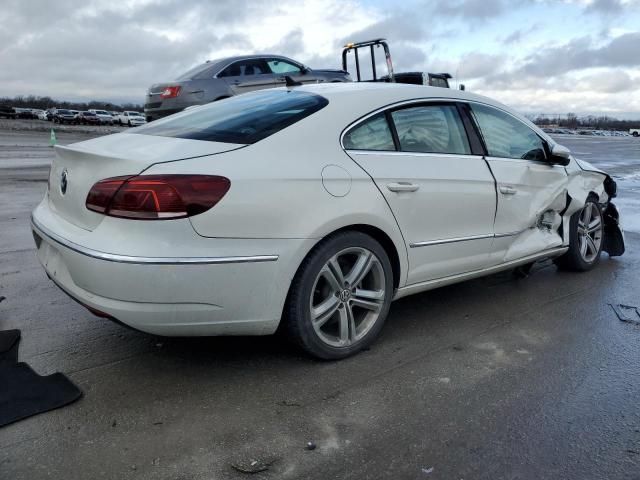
<point>85,163</point>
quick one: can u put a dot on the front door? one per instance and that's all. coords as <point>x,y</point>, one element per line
<point>247,75</point>
<point>532,192</point>
<point>442,196</point>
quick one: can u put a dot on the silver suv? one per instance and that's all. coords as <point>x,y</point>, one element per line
<point>218,79</point>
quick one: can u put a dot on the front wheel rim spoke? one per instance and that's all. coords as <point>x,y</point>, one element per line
<point>583,246</point>
<point>592,245</point>
<point>594,226</point>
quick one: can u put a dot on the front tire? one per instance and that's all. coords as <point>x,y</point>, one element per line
<point>586,238</point>
<point>340,296</point>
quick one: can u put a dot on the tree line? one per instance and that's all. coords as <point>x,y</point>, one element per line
<point>44,103</point>
<point>571,120</point>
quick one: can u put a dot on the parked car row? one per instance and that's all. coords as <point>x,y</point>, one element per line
<point>598,133</point>
<point>75,117</point>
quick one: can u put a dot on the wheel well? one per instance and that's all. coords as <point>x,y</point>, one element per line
<point>386,243</point>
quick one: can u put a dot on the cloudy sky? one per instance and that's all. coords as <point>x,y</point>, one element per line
<point>536,55</point>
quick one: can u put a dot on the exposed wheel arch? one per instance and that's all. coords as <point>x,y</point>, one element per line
<point>380,236</point>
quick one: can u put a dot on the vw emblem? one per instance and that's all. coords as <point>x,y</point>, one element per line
<point>345,295</point>
<point>63,181</point>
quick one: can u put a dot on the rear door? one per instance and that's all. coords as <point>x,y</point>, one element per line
<point>436,183</point>
<point>532,192</point>
<point>248,75</point>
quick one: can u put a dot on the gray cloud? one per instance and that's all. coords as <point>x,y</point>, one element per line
<point>606,7</point>
<point>476,9</point>
<point>101,50</point>
<point>580,54</point>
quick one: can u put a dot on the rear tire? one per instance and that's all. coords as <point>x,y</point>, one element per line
<point>340,297</point>
<point>586,238</point>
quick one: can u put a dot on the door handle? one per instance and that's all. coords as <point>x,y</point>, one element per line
<point>507,190</point>
<point>196,91</point>
<point>403,187</point>
<point>236,82</point>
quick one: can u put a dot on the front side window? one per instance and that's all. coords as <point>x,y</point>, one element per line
<point>431,129</point>
<point>507,137</point>
<point>278,66</point>
<point>372,134</point>
<point>243,119</point>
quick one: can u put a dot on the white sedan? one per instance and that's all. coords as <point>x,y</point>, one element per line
<point>312,208</point>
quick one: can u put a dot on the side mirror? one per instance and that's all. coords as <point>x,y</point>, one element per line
<point>560,155</point>
<point>304,70</point>
<point>462,87</point>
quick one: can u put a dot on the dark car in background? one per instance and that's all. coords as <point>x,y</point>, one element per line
<point>88,118</point>
<point>7,112</point>
<point>62,115</point>
<point>25,114</point>
<point>218,79</point>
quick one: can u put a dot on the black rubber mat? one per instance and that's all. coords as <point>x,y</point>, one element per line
<point>23,392</point>
<point>9,340</point>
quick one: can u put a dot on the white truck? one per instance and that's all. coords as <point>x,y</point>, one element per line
<point>131,118</point>
<point>635,132</point>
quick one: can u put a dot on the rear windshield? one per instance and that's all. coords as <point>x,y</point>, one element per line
<point>189,74</point>
<point>244,119</point>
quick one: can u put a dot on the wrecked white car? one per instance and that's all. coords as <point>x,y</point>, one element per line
<point>311,209</point>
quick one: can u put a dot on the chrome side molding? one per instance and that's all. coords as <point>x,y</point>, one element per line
<point>42,231</point>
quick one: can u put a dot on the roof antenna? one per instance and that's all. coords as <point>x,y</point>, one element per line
<point>290,82</point>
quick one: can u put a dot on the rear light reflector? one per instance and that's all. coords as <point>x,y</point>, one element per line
<point>157,197</point>
<point>170,92</point>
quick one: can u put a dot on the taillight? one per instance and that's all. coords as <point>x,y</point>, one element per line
<point>170,92</point>
<point>157,197</point>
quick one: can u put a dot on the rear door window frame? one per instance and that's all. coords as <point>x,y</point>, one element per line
<point>472,135</point>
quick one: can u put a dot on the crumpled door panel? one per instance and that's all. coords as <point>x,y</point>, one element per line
<point>535,205</point>
<point>532,197</point>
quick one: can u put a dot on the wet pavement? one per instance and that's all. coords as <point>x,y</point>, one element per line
<point>495,378</point>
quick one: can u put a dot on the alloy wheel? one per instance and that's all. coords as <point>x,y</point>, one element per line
<point>347,296</point>
<point>590,230</point>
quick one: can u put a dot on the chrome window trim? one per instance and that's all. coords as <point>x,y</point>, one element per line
<point>117,258</point>
<point>410,154</point>
<point>418,101</point>
<point>425,100</point>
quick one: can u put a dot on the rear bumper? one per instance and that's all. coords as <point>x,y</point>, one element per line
<point>166,294</point>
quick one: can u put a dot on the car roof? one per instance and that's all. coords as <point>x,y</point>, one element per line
<point>357,99</point>
<point>227,60</point>
<point>365,97</point>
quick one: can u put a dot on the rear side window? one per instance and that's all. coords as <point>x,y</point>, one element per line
<point>245,68</point>
<point>507,137</point>
<point>244,119</point>
<point>372,134</point>
<point>195,71</point>
<point>431,129</point>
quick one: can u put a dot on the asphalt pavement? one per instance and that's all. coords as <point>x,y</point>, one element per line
<point>496,378</point>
